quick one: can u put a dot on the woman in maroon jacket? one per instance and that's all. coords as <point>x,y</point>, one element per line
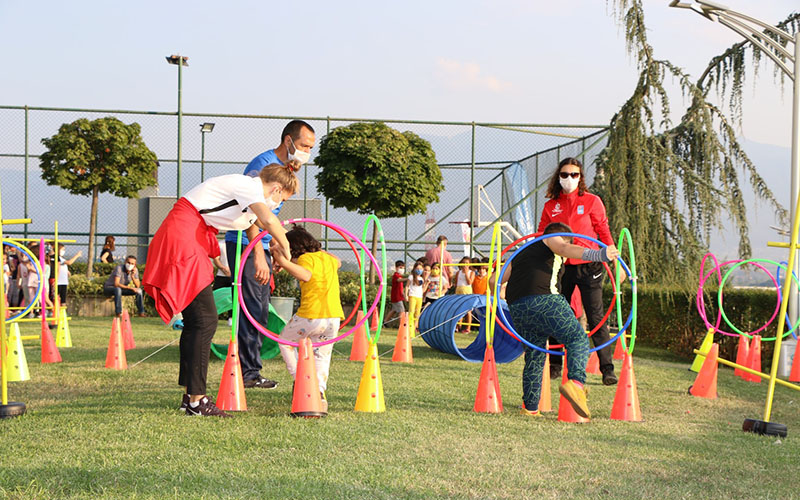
<point>571,204</point>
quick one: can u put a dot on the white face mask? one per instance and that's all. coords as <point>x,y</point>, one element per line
<point>271,203</point>
<point>569,184</point>
<point>299,156</point>
<point>62,252</point>
<point>129,267</point>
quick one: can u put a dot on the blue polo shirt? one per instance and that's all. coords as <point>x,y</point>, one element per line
<point>252,169</point>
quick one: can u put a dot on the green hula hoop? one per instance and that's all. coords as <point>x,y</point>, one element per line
<point>362,272</point>
<point>722,285</point>
<point>625,235</point>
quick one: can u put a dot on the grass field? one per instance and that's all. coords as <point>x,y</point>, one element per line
<point>96,433</point>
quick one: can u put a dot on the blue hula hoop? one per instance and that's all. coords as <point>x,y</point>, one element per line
<point>38,289</point>
<point>501,315</point>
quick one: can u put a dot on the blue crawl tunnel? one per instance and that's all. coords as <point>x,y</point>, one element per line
<point>439,321</point>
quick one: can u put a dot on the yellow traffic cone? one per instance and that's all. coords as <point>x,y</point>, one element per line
<point>370,390</point>
<point>16,363</point>
<point>63,338</point>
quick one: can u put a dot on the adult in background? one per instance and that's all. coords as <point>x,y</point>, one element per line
<point>124,280</point>
<point>436,255</point>
<point>297,139</point>
<point>570,203</point>
<point>107,253</point>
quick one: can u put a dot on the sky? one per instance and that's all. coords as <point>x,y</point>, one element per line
<point>501,60</point>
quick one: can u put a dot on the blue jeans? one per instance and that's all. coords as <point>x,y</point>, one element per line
<point>118,292</point>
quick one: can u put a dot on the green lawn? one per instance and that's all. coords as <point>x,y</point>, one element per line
<point>96,433</point>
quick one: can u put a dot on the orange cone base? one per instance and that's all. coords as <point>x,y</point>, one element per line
<point>231,388</point>
<point>754,363</point>
<point>50,352</point>
<point>115,357</point>
<point>488,399</point>
<point>743,355</point>
<point>127,331</point>
<point>545,399</point>
<point>593,366</point>
<point>794,375</point>
<point>705,385</point>
<point>358,351</point>
<point>402,346</point>
<point>619,351</point>
<point>626,401</point>
<point>565,411</point>
<point>306,400</point>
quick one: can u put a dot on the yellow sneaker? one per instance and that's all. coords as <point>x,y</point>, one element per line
<point>529,413</point>
<point>576,397</point>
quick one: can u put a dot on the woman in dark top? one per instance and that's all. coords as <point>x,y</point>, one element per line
<point>539,311</point>
<point>108,247</point>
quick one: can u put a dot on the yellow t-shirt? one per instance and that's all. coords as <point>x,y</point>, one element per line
<point>319,296</point>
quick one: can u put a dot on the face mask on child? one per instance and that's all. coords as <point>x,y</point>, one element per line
<point>401,270</point>
<point>434,272</point>
<point>418,272</point>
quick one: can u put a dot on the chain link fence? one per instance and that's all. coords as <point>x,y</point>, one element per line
<point>511,162</point>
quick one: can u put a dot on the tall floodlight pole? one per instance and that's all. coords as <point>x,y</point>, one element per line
<point>784,50</point>
<point>205,128</point>
<point>180,61</point>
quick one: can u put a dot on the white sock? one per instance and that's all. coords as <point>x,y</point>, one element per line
<point>195,404</point>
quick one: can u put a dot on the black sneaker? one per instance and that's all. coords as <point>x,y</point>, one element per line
<point>261,382</point>
<point>206,408</point>
<point>609,378</point>
<point>184,403</point>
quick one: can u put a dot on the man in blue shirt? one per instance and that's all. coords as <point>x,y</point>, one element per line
<point>297,139</point>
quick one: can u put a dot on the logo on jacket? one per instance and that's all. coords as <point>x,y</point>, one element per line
<point>557,209</point>
<point>580,209</point>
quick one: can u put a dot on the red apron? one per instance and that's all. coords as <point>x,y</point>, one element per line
<point>178,265</point>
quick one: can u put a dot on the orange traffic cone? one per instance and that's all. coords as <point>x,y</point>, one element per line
<point>115,357</point>
<point>565,411</point>
<point>374,321</point>
<point>593,366</point>
<point>358,351</point>
<point>127,332</point>
<point>626,400</point>
<point>306,400</point>
<point>619,351</point>
<point>754,363</point>
<point>545,399</point>
<point>794,375</point>
<point>742,356</point>
<point>402,346</point>
<point>50,352</point>
<point>488,399</point>
<point>231,389</point>
<point>705,385</point>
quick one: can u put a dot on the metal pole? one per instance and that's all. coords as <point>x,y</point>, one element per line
<point>25,209</point>
<point>180,120</point>
<point>202,156</point>
<point>472,220</point>
<point>305,193</point>
<point>327,131</point>
<point>793,310</point>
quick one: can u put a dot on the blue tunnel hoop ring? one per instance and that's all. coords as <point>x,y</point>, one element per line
<point>501,318</point>
<point>23,249</point>
<point>272,335</point>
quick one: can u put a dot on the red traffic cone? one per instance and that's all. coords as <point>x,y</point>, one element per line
<point>794,375</point>
<point>115,357</point>
<point>742,356</point>
<point>306,400</point>
<point>705,385</point>
<point>358,351</point>
<point>127,331</point>
<point>50,352</point>
<point>488,399</point>
<point>593,366</point>
<point>626,400</point>
<point>545,399</point>
<point>565,411</point>
<point>231,388</point>
<point>374,321</point>
<point>754,363</point>
<point>619,351</point>
<point>402,346</point>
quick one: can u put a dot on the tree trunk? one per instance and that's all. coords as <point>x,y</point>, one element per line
<point>374,252</point>
<point>92,224</point>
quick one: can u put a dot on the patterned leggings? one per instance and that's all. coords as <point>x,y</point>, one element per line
<point>537,317</point>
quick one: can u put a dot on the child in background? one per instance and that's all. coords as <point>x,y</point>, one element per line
<point>464,278</point>
<point>63,273</point>
<point>320,309</point>
<point>481,277</point>
<point>414,294</point>
<point>432,286</point>
<point>397,295</point>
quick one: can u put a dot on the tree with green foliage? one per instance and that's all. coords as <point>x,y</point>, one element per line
<point>99,156</point>
<point>372,168</point>
<point>672,184</point>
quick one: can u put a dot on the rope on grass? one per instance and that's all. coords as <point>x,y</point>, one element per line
<point>156,351</point>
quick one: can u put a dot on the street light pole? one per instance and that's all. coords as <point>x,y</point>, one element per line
<point>205,128</point>
<point>180,61</point>
<point>774,45</point>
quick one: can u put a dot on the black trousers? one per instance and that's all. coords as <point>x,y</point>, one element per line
<point>256,298</point>
<point>589,280</point>
<point>199,326</point>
